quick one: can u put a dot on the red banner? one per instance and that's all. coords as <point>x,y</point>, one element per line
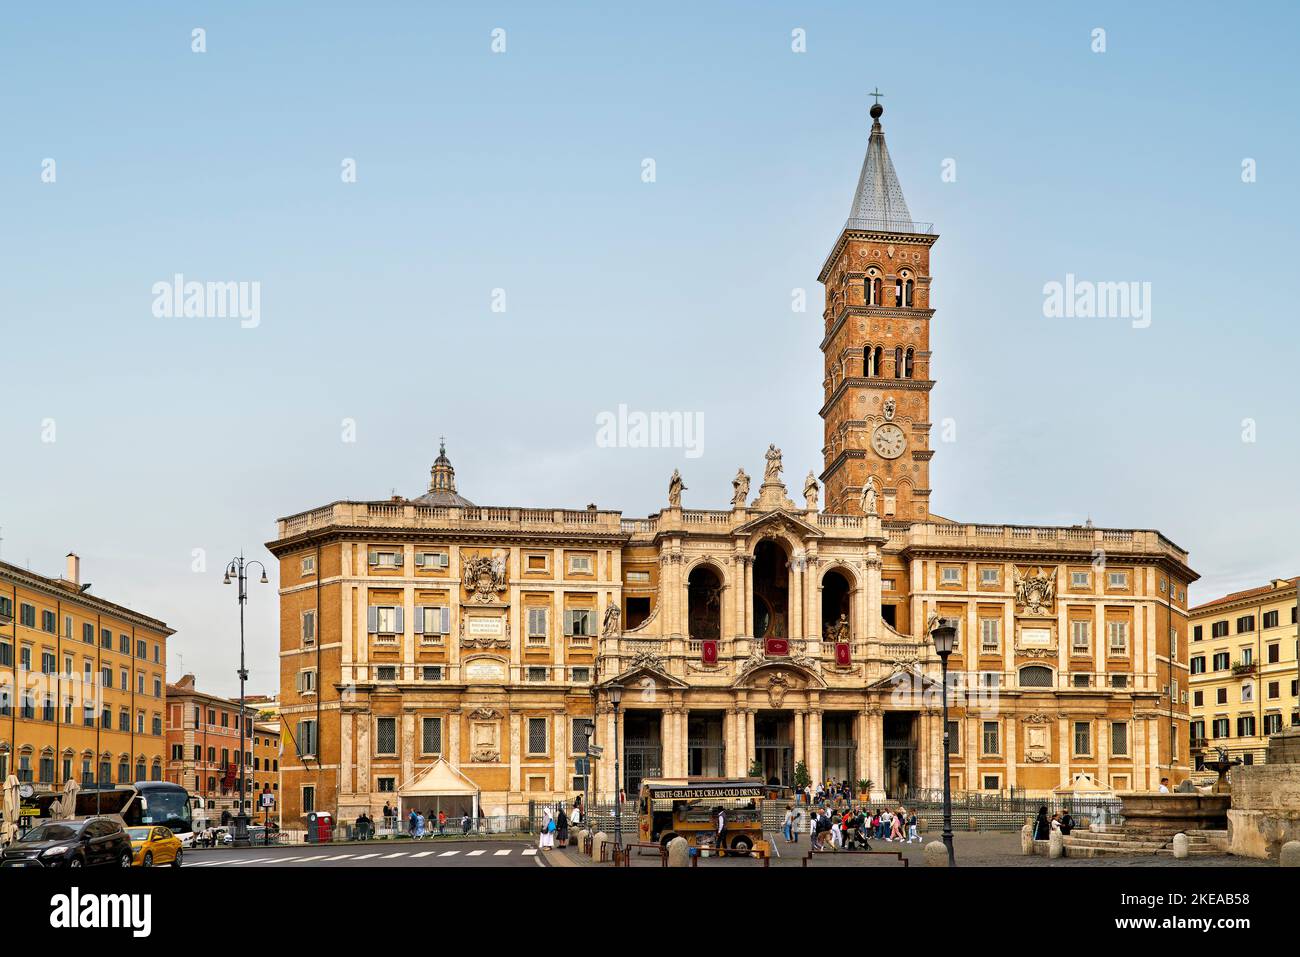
<point>842,655</point>
<point>709,651</point>
<point>777,647</point>
<point>231,775</point>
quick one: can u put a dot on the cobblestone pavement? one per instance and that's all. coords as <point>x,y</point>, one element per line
<point>989,849</point>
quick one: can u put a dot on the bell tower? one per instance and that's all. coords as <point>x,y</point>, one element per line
<point>877,348</point>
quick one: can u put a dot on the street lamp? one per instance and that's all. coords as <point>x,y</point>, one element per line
<point>239,569</point>
<point>616,698</point>
<point>944,635</point>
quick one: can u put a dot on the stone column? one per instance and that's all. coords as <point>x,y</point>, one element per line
<point>731,739</point>
<point>749,739</point>
<point>797,598</point>
<point>347,728</point>
<point>861,734</point>
<point>560,744</point>
<point>739,592</point>
<point>514,744</point>
<point>749,592</point>
<point>1012,758</point>
<point>876,749</point>
<point>800,746</point>
<point>815,744</point>
<point>407,745</point>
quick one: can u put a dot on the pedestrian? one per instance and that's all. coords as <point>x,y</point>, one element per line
<point>1056,821</point>
<point>442,823</point>
<point>720,835</point>
<point>419,824</point>
<point>912,833</point>
<point>575,818</point>
<point>1164,785</point>
<point>542,840</point>
<point>788,826</point>
<point>388,816</point>
<point>411,823</point>
<point>1067,823</point>
<point>561,826</point>
<point>1042,825</point>
<point>464,824</point>
<point>896,826</point>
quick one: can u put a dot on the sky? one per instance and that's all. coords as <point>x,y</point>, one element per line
<point>559,209</point>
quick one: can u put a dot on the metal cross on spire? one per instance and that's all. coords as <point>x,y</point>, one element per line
<point>877,94</point>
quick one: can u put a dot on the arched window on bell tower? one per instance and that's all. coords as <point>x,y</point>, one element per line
<point>904,287</point>
<point>871,288</point>
<point>898,363</point>
<point>869,362</point>
<point>907,364</point>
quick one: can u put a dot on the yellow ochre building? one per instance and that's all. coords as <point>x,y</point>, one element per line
<point>432,647</point>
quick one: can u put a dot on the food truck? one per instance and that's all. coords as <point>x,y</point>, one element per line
<point>688,808</point>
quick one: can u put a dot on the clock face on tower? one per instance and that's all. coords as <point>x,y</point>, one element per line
<point>889,441</point>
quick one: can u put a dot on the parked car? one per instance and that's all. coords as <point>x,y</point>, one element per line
<point>256,836</point>
<point>79,842</point>
<point>154,845</point>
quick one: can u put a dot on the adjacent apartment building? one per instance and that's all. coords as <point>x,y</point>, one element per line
<point>203,745</point>
<point>81,683</point>
<point>1244,671</point>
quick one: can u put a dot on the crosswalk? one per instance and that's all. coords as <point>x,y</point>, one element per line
<point>358,857</point>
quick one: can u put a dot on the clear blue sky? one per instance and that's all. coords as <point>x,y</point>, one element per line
<point>522,171</point>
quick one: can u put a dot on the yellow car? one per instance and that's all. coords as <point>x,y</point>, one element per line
<point>154,845</point>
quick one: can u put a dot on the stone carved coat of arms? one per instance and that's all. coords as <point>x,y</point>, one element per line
<point>1035,593</point>
<point>484,577</point>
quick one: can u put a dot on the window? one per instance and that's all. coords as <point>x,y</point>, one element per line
<point>308,565</point>
<point>1198,699</point>
<point>433,620</point>
<point>1245,623</point>
<point>578,622</point>
<point>27,615</point>
<point>1247,655</point>
<point>48,622</point>
<point>954,737</point>
<point>988,576</point>
<point>1274,652</point>
<point>582,676</point>
<point>1035,676</point>
<point>1270,619</point>
<point>431,736</point>
<point>1081,680</point>
<point>1221,661</point>
<point>1198,633</point>
<point>106,638</point>
<point>1118,632</point>
<point>1119,738</point>
<point>385,559</point>
<point>1080,637</point>
<point>308,799</point>
<point>1119,681</point>
<point>385,620</point>
<point>1246,726</point>
<point>990,738</point>
<point>47,663</point>
<point>537,736</point>
<point>1221,695</point>
<point>1272,723</point>
<point>124,644</point>
<point>578,735</point>
<point>157,687</point>
<point>951,576</point>
<point>537,626</point>
<point>6,610</point>
<point>309,627</point>
<point>387,784</point>
<point>1247,691</point>
<point>432,672</point>
<point>386,673</point>
<point>1274,690</point>
<point>307,681</point>
<point>1198,664</point>
<point>1078,579</point>
<point>385,735</point>
<point>307,740</point>
<point>1082,738</point>
<point>988,634</point>
<point>88,633</point>
<point>1219,629</point>
<point>537,673</point>
<point>431,559</point>
<point>1118,580</point>
<point>6,654</point>
<point>1221,728</point>
<point>579,564</point>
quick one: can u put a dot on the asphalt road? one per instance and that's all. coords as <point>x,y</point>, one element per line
<point>440,853</point>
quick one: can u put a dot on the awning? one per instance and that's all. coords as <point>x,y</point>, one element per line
<point>439,778</point>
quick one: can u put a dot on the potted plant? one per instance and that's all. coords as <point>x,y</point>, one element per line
<point>864,789</point>
<point>801,778</point>
<point>755,768</point>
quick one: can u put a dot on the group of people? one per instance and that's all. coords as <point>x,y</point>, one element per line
<point>1045,825</point>
<point>851,827</point>
<point>556,823</point>
<point>417,825</point>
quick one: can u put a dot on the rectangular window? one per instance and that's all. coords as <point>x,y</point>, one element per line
<point>1198,633</point>
<point>385,620</point>
<point>1246,726</point>
<point>308,565</point>
<point>988,576</point>
<point>387,784</point>
<point>988,634</point>
<point>537,736</point>
<point>951,576</point>
<point>48,621</point>
<point>1198,699</point>
<point>1078,579</point>
<point>537,673</point>
<point>308,799</point>
<point>1274,689</point>
<point>1082,738</point>
<point>578,622</point>
<point>6,610</point>
<point>1118,580</point>
<point>385,735</point>
<point>431,559</point>
<point>580,564</point>
<point>578,735</point>
<point>1270,619</point>
<point>431,736</point>
<point>27,615</point>
<point>1219,629</point>
<point>1221,728</point>
<point>307,740</point>
<point>992,782</point>
<point>433,620</point>
<point>6,655</point>
<point>1119,738</point>
<point>990,738</point>
<point>309,627</point>
<point>1198,665</point>
<point>1221,695</point>
<point>581,676</point>
<point>307,681</point>
<point>25,658</point>
<point>1274,653</point>
<point>385,559</point>
<point>432,672</point>
<point>537,631</point>
<point>141,650</point>
<point>386,673</point>
<point>1245,623</point>
<point>88,633</point>
<point>1272,723</point>
<point>1080,637</point>
<point>954,737</point>
<point>1118,634</point>
<point>1119,681</point>
<point>542,563</point>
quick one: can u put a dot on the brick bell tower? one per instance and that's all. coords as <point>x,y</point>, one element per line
<point>877,349</point>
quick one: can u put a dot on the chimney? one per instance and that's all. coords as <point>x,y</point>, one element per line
<point>73,573</point>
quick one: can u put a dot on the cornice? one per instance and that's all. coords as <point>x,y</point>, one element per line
<point>458,536</point>
<point>876,312</point>
<point>915,239</point>
<point>878,383</point>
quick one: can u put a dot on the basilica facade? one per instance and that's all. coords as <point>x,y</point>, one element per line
<point>434,650</point>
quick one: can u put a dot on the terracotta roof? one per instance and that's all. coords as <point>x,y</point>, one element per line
<point>1248,593</point>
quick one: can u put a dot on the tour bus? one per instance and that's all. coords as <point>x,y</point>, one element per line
<point>160,803</point>
<point>688,808</point>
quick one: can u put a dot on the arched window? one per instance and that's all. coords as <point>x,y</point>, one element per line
<point>898,363</point>
<point>907,364</point>
<point>869,362</point>
<point>1035,676</point>
<point>704,603</point>
<point>871,288</point>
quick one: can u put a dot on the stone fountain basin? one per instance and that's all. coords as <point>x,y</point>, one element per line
<point>1170,813</point>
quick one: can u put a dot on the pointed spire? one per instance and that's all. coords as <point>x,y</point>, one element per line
<point>878,202</point>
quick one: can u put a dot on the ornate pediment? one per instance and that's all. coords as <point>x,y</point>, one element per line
<point>779,523</point>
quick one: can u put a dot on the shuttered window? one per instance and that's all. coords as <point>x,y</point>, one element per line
<point>432,620</point>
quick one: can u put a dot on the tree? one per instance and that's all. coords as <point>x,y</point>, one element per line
<point>755,768</point>
<point>801,776</point>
